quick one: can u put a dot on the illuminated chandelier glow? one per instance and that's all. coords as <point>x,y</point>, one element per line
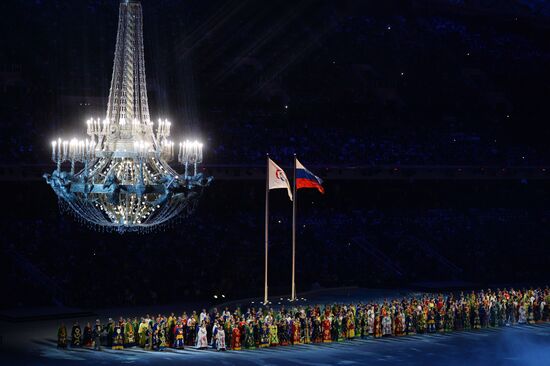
<point>125,182</point>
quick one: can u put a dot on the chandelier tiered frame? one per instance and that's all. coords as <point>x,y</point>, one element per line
<point>119,177</point>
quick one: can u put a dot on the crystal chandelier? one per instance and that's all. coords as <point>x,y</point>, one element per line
<point>119,177</point>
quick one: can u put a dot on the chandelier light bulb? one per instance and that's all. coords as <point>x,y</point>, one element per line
<point>54,144</point>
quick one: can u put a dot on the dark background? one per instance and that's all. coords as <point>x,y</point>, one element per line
<point>400,88</point>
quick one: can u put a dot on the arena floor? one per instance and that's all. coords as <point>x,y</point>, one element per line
<point>34,343</point>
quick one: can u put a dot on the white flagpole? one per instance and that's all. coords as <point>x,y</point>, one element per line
<point>294,199</point>
<point>266,227</point>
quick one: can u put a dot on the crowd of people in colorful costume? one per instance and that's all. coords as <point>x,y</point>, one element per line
<point>270,327</point>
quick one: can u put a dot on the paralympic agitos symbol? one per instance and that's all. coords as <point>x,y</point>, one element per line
<point>279,174</point>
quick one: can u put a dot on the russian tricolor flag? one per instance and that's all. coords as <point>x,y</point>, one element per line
<point>306,179</point>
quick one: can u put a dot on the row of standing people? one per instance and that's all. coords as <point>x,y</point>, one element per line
<point>268,327</point>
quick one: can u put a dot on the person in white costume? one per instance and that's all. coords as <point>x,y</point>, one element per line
<point>202,340</point>
<point>220,339</point>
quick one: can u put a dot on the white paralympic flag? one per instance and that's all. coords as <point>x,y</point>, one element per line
<point>277,178</point>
